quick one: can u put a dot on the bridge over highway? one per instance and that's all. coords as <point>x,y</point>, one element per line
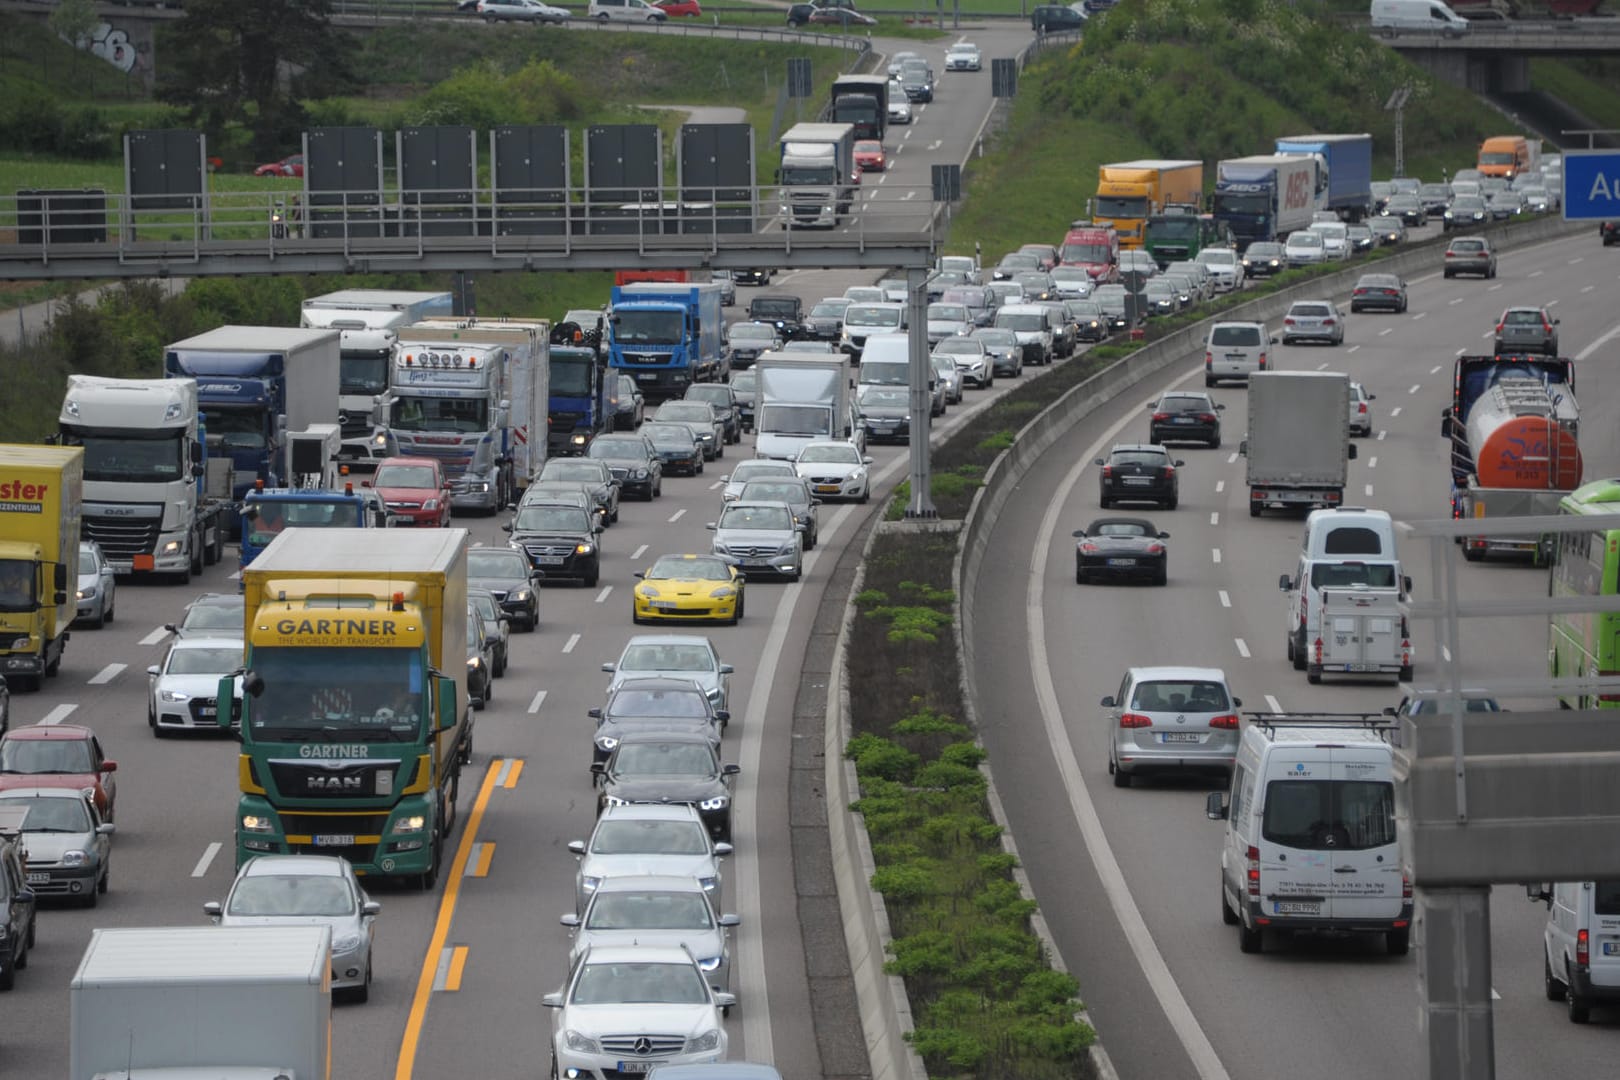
<point>1494,57</point>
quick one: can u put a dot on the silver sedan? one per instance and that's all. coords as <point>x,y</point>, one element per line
<point>96,586</point>
<point>675,656</point>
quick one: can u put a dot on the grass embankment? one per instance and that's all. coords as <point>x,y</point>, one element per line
<point>1589,86</point>
<point>1206,80</point>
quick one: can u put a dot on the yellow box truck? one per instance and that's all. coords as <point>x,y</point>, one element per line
<point>1130,192</point>
<point>353,709</point>
<point>41,498</point>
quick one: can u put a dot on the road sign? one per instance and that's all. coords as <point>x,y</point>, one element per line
<point>947,183</point>
<point>1003,78</point>
<point>1591,185</point>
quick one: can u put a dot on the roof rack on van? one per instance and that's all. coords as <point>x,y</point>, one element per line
<point>1379,722</point>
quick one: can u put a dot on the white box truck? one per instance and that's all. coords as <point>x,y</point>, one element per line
<point>801,398</point>
<point>1298,449</point>
<point>203,1003</point>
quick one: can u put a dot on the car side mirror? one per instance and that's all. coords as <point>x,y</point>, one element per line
<point>598,768</point>
<point>1098,461</point>
<point>727,669</point>
<point>1372,397</point>
<point>153,670</point>
<point>371,909</point>
<point>597,527</point>
<point>866,461</point>
<point>1107,702</point>
<point>1539,893</point>
<point>1215,806</point>
<point>710,526</point>
<point>106,828</point>
<point>1406,584</point>
<point>577,846</point>
<point>570,920</point>
<point>608,667</point>
<point>723,849</point>
<point>553,1000</point>
<point>723,715</point>
<point>1237,703</point>
<point>1164,536</point>
<point>1078,533</point>
<point>173,628</point>
<point>108,766</point>
<point>730,769</point>
<point>729,919</point>
<point>214,909</point>
<point>365,483</point>
<point>1275,340</point>
<point>1180,463</point>
<point>1219,405</point>
<point>594,714</point>
<point>1285,583</point>
<point>507,527</point>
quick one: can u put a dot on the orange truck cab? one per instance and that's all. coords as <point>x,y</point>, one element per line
<point>1504,155</point>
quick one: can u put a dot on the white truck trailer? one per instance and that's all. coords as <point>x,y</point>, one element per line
<point>801,398</point>
<point>1363,631</point>
<point>1298,449</point>
<point>203,1003</point>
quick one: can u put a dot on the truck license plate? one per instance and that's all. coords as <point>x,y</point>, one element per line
<point>337,840</point>
<point>1179,736</point>
<point>1610,948</point>
<point>1360,667</point>
<point>1296,907</point>
<point>647,376</point>
<point>38,878</point>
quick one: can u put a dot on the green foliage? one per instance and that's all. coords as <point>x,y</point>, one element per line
<point>998,442</point>
<point>909,881</point>
<point>927,721</point>
<point>876,756</point>
<point>867,598</point>
<point>966,754</point>
<point>924,593</point>
<point>920,624</point>
<point>484,95</point>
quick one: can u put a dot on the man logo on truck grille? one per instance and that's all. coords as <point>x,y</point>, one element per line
<point>335,783</point>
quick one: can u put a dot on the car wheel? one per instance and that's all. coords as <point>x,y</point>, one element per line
<point>8,972</point>
<point>106,879</point>
<point>1172,504</point>
<point>590,582</point>
<point>1552,985</point>
<point>613,518</point>
<point>1162,577</point>
<point>1297,655</point>
<point>1250,940</point>
<point>1580,1008</point>
<point>1228,916</point>
<point>1121,777</point>
<point>1313,674</point>
<point>90,899</point>
<point>1208,381</point>
<point>602,18</point>
<point>1215,443</point>
<point>479,701</point>
<point>362,993</point>
<point>1105,502</point>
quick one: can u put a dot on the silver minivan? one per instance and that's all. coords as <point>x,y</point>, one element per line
<point>1171,719</point>
<point>1235,350</point>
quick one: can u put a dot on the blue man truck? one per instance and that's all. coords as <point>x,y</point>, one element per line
<point>1348,162</point>
<point>1269,196</point>
<point>268,512</point>
<point>255,384</point>
<point>666,336</point>
<point>583,394</point>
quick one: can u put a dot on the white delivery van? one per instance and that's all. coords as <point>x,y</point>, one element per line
<point>1430,15</point>
<point>1310,841</point>
<point>1342,547</point>
<point>1582,944</point>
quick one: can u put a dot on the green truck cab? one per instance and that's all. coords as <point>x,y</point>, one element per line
<point>353,713</point>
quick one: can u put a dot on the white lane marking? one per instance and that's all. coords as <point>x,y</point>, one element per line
<point>935,145</point>
<point>207,857</point>
<point>1381,435</point>
<point>1272,702</point>
<point>538,700</point>
<point>1446,653</point>
<point>1226,601</point>
<point>58,714</point>
<point>1552,303</point>
<point>568,646</point>
<point>1231,459</point>
<point>639,552</point>
<point>1321,367</point>
<point>1493,288</point>
<point>1372,462</point>
<point>1415,388</point>
<point>1214,517</point>
<point>603,595</point>
<point>1608,335</point>
<point>1369,489</point>
<point>1461,350</point>
<point>1396,411</point>
<point>1206,1062</point>
<point>1585,289</point>
<point>1215,553</point>
<point>1435,370</point>
<point>1494,995</point>
<point>1486,336</point>
<point>717,485</point>
<point>1220,486</point>
<point>1420,315</point>
<point>237,576</point>
<point>1351,349</point>
<point>1458,300</point>
<point>1386,331</point>
<point>908,195</point>
<point>1576,259</point>
<point>677,515</point>
<point>1537,273</point>
<point>155,636</point>
<point>107,674</point>
<point>1242,647</point>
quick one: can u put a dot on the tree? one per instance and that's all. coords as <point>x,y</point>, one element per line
<point>228,62</point>
<point>74,21</point>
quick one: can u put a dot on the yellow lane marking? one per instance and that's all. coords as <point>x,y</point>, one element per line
<point>483,852</point>
<point>458,962</point>
<point>513,773</point>
<point>441,929</point>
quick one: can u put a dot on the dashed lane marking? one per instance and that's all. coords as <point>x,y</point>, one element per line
<point>452,962</point>
<point>1372,462</point>
<point>1586,288</point>
<point>1435,370</point>
<point>1458,300</point>
<point>155,636</point>
<point>603,595</point>
<point>717,485</point>
<point>1537,273</point>
<point>639,552</point>
<point>1352,348</point>
<point>677,515</point>
<point>1215,517</point>
<point>207,858</point>
<point>1415,388</point>
<point>568,646</point>
<point>58,714</point>
<point>1272,702</point>
<point>538,700</point>
<point>1220,486</point>
<point>1231,459</point>
<point>1493,288</point>
<point>1226,601</point>
<point>1386,331</point>
<point>1396,411</point>
<point>1420,316</point>
<point>1242,648</point>
<point>1215,553</point>
<point>106,674</point>
<point>1369,489</point>
<point>1381,435</point>
<point>478,862</point>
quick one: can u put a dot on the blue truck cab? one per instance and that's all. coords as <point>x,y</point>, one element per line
<point>267,512</point>
<point>583,394</point>
<point>665,336</point>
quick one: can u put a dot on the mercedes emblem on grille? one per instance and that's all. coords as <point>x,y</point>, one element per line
<point>642,1046</point>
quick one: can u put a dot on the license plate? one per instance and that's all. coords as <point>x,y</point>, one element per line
<point>1296,907</point>
<point>1610,948</point>
<point>1182,420</point>
<point>1121,562</point>
<point>1179,736</point>
<point>206,710</point>
<point>335,841</point>
<point>551,560</point>
<point>1138,479</point>
<point>38,878</point>
<point>1236,358</point>
<point>826,489</point>
<point>647,376</point>
<point>665,605</point>
<point>635,1066</point>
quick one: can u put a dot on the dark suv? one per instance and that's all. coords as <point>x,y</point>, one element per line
<point>17,905</point>
<point>784,312</point>
<point>634,461</point>
<point>561,541</point>
<point>1132,473</point>
<point>1049,18</point>
<point>1185,416</point>
<point>723,400</point>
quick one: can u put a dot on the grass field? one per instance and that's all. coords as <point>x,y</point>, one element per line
<point>1590,88</point>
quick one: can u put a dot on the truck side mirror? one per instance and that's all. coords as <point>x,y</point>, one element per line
<point>59,580</point>
<point>1539,893</point>
<point>449,706</point>
<point>1215,806</point>
<point>253,683</point>
<point>225,696</point>
<point>196,453</point>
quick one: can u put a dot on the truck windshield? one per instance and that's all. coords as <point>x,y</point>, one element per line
<point>647,327</point>
<point>808,174</point>
<point>363,371</point>
<point>1227,203</point>
<point>237,429</point>
<point>272,517</point>
<point>1181,228</point>
<point>16,585</point>
<point>1122,206</point>
<point>439,414</point>
<point>794,419</point>
<point>337,695</point>
<point>129,459</point>
<point>571,375</point>
<point>1497,158</point>
<point>1084,253</point>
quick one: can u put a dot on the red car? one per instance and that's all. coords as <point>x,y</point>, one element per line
<point>58,756</point>
<point>869,156</point>
<point>676,9</point>
<point>287,166</point>
<point>415,489</point>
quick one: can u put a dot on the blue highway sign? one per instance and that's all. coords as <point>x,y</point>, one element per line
<point>1591,185</point>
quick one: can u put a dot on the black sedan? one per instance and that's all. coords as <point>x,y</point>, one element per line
<point>677,447</point>
<point>634,461</point>
<point>655,704</point>
<point>1136,473</point>
<point>1408,208</point>
<point>751,277</point>
<point>1119,547</point>
<point>1263,258</point>
<point>1185,416</point>
<point>1609,231</point>
<point>669,767</point>
<point>510,578</point>
<point>1378,292</point>
<point>885,413</point>
<point>561,542</point>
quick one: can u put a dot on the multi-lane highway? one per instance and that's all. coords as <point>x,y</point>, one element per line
<point>459,972</point>
<point>1127,878</point>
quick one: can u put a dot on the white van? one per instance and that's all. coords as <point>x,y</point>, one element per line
<point>1431,15</point>
<point>1582,944</point>
<point>1311,841</point>
<point>625,11</point>
<point>1344,546</point>
<point>1235,350</point>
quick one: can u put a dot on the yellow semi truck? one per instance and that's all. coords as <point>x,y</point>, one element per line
<point>1130,192</point>
<point>41,498</point>
<point>353,711</point>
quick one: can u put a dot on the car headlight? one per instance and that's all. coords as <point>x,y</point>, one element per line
<point>723,592</point>
<point>719,802</point>
<point>582,549</point>
<point>578,440</point>
<point>346,943</point>
<point>709,1040</point>
<point>519,596</point>
<point>640,474</point>
<point>647,592</point>
<point>710,884</point>
<point>86,594</point>
<point>431,504</point>
<point>171,548</point>
<point>589,884</point>
<point>254,823</point>
<point>412,824</point>
<point>379,440</point>
<point>21,642</point>
<point>173,696</point>
<point>580,1044</point>
<point>720,549</point>
<point>614,800</point>
<point>74,858</point>
<point>789,548</point>
<point>709,963</point>
<point>606,742</point>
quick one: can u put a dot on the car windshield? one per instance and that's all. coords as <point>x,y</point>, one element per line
<point>828,311</point>
<point>846,454</point>
<point>711,395</point>
<point>751,332</point>
<point>960,347</point>
<point>496,563</point>
<point>1180,695</point>
<point>775,491</point>
<point>996,336</point>
<point>743,382</point>
<point>640,326</point>
<point>947,313</point>
<point>633,837</point>
<point>686,412</point>
<point>1120,528</point>
<point>773,307</point>
<point>1468,202</point>
<point>1310,311</point>
<point>203,661</point>
<point>1467,245</point>
<point>1373,575</point>
<point>1323,815</point>
<point>1028,323</point>
<point>271,895</point>
<point>1184,403</point>
<point>214,617</point>
<point>867,315</point>
<point>559,519</point>
<point>580,471</point>
<point>1217,257</point>
<point>883,395</point>
<point>670,435</point>
<point>618,449</point>
<point>649,911</point>
<point>438,414</point>
<point>1305,239</point>
<point>404,476</point>
<point>1139,457</point>
<point>1263,251</point>
<point>1378,281</point>
<point>48,813</point>
<point>641,984</point>
<point>753,470</point>
<point>485,605</point>
<point>678,569</point>
<point>41,756</point>
<point>767,518</point>
<point>667,657</point>
<point>663,759</point>
<point>1524,318</point>
<point>687,701</point>
<point>88,563</point>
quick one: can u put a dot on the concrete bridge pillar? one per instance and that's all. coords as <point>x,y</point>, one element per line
<point>1448,65</point>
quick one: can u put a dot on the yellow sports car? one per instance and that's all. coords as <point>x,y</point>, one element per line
<point>684,588</point>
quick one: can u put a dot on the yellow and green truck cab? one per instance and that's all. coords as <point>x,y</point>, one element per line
<point>41,499</point>
<point>353,712</point>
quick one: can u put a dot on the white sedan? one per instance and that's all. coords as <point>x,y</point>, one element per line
<point>182,691</point>
<point>835,470</point>
<point>963,56</point>
<point>1224,266</point>
<point>899,107</point>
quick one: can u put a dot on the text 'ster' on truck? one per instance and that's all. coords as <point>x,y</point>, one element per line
<point>40,498</point>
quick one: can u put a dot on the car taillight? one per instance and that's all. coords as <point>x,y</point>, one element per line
<point>1253,857</point>
<point>1169,471</point>
<point>1546,328</point>
<point>1361,407</point>
<point>1406,887</point>
<point>1262,361</point>
<point>1134,720</point>
<point>1499,327</point>
<point>1161,416</point>
<point>1207,417</point>
<point>1209,360</point>
<point>1327,322</point>
<point>1288,322</point>
<point>1155,549</point>
<point>1450,254</point>
<point>1089,548</point>
<point>1392,292</point>
<point>1583,947</point>
<point>1317,651</point>
<point>1229,722</point>
<point>1108,470</point>
<point>1359,292</point>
